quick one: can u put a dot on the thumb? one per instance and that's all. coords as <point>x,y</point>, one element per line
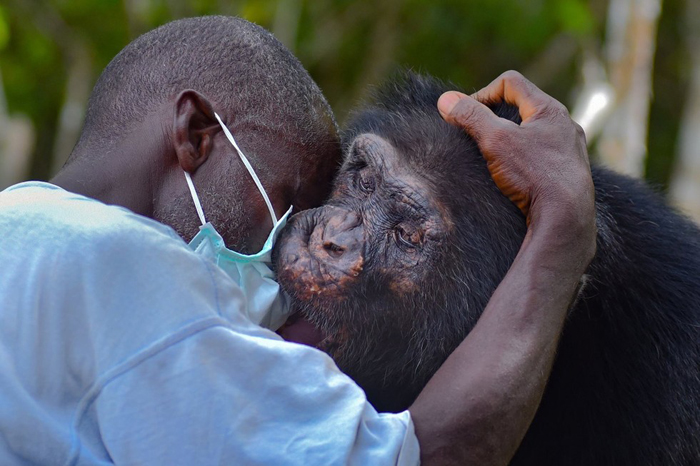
<point>469,114</point>
<point>447,102</point>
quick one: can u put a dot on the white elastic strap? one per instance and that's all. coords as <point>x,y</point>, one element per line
<point>195,198</point>
<point>250,170</point>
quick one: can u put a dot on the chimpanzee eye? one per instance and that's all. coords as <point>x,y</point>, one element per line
<point>366,183</point>
<point>407,238</point>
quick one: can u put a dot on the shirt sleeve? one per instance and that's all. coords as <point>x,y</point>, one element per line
<point>185,377</point>
<point>222,397</point>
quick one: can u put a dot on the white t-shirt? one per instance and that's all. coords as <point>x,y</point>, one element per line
<point>118,345</point>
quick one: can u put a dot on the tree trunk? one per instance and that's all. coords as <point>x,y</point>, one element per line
<point>78,86</point>
<point>685,183</point>
<point>631,41</point>
<point>16,144</point>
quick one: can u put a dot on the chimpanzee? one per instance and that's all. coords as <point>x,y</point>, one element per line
<point>394,271</point>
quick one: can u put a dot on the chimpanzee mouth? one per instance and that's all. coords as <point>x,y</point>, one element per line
<point>300,330</point>
<point>314,278</point>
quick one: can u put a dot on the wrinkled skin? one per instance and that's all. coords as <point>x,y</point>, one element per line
<point>396,269</point>
<point>374,237</point>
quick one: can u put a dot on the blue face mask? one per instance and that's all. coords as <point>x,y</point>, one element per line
<point>267,305</point>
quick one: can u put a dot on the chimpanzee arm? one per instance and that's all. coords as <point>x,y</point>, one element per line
<point>478,406</point>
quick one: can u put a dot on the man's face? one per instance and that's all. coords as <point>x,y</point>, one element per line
<point>231,201</point>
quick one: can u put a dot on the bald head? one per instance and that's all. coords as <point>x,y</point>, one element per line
<point>168,83</point>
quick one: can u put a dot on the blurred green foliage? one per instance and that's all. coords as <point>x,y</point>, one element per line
<point>348,46</point>
<point>4,29</point>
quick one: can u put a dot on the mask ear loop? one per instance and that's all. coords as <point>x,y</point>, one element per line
<point>250,170</point>
<point>195,198</point>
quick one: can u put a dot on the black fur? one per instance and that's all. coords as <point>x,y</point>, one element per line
<point>625,388</point>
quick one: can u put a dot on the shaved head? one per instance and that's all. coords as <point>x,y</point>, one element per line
<point>229,66</point>
<point>234,63</point>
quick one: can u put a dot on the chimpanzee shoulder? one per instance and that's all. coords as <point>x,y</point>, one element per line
<point>625,387</point>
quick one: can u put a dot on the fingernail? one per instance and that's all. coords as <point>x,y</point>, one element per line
<point>447,101</point>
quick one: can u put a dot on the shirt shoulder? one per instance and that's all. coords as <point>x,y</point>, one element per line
<point>42,211</point>
<point>103,272</point>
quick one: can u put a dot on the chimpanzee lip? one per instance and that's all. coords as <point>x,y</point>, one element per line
<point>299,330</point>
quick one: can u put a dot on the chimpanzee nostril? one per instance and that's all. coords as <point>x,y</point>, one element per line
<point>333,249</point>
<point>338,238</point>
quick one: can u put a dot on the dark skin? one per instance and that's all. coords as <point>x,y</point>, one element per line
<point>143,172</point>
<point>514,342</point>
<point>350,266</point>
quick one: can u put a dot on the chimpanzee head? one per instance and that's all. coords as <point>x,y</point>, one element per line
<point>393,272</point>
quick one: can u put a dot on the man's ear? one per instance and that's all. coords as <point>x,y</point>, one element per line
<point>194,127</point>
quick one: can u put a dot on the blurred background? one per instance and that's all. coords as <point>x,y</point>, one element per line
<point>628,70</point>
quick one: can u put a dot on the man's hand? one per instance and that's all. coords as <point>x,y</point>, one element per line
<point>479,404</point>
<point>542,164</point>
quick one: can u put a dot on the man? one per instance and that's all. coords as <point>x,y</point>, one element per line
<point>120,345</point>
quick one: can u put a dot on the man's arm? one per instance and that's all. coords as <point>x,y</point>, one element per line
<point>478,406</point>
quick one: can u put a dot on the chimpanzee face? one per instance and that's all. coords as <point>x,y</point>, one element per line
<point>379,230</point>
<point>391,274</point>
<point>351,265</point>
<point>381,218</point>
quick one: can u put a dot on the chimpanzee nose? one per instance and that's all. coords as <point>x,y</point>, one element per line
<point>343,234</point>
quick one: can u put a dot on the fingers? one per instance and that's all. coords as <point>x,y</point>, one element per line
<point>474,117</point>
<point>513,88</point>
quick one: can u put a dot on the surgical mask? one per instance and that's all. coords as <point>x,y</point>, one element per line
<point>267,305</point>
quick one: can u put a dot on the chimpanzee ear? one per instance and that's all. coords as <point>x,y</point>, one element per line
<point>194,127</point>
